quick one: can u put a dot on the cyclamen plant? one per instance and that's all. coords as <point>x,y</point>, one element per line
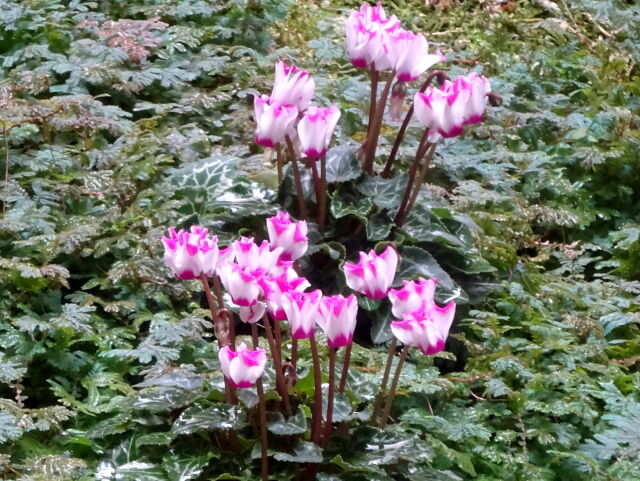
<point>263,281</point>
<point>256,276</point>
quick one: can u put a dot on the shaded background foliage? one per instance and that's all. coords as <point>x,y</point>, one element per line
<point>119,120</point>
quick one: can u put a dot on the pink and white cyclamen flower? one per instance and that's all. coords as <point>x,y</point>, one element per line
<point>445,111</point>
<point>409,54</point>
<point>367,31</point>
<point>337,318</point>
<point>373,274</point>
<point>412,296</point>
<point>191,254</point>
<point>316,128</point>
<point>478,87</point>
<point>241,284</point>
<point>292,86</point>
<point>243,366</point>
<point>441,110</point>
<point>302,312</point>
<point>274,288</point>
<point>290,236</point>
<point>274,122</point>
<point>426,328</point>
<point>258,260</point>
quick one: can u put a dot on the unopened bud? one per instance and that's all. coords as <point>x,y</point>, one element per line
<point>441,77</point>
<point>495,99</point>
<point>396,102</point>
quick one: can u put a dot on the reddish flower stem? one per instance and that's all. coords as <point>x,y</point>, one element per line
<point>412,174</point>
<point>302,210</point>
<point>294,353</point>
<point>278,338</point>
<point>385,378</point>
<point>322,212</point>
<point>394,386</point>
<point>277,364</point>
<point>317,184</point>
<point>264,447</point>
<point>374,133</point>
<point>373,98</point>
<point>220,330</point>
<point>345,368</point>
<point>330,396</point>
<point>316,418</point>
<point>418,184</point>
<point>279,163</point>
<point>386,173</point>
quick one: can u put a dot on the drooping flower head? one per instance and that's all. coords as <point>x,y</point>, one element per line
<point>292,86</point>
<point>243,366</point>
<point>291,236</point>
<point>412,296</point>
<point>409,55</point>
<point>426,328</point>
<point>367,31</point>
<point>373,274</point>
<point>191,254</point>
<point>316,128</point>
<point>441,110</point>
<point>274,121</point>
<point>274,288</point>
<point>337,318</point>
<point>302,312</point>
<point>478,87</point>
<point>446,110</point>
<point>241,284</point>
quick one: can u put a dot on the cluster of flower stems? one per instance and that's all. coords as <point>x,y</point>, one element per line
<point>285,375</point>
<point>417,171</point>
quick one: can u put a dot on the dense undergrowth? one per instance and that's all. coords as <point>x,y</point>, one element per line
<point>113,130</point>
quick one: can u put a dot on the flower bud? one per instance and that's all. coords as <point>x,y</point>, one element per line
<point>242,367</point>
<point>252,314</point>
<point>495,99</point>
<point>398,93</point>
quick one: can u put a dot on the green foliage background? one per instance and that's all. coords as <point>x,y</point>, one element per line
<point>107,368</point>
